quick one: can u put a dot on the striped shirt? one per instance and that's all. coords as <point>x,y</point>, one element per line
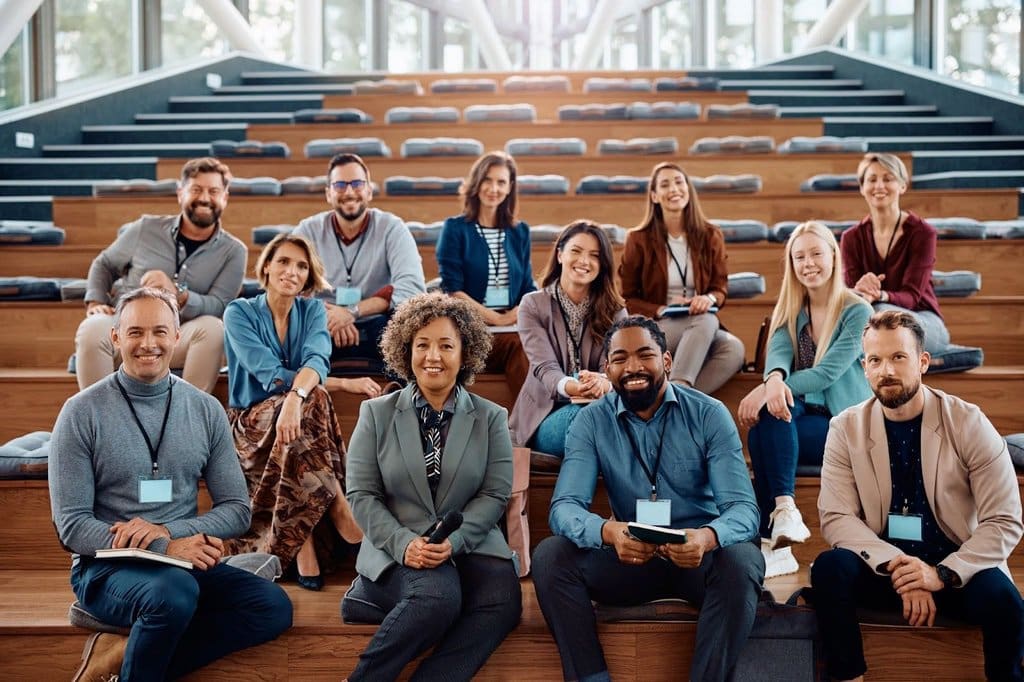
<point>497,267</point>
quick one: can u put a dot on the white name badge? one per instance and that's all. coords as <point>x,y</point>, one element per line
<point>346,296</point>
<point>654,512</point>
<point>905,527</point>
<point>497,297</point>
<point>155,490</point>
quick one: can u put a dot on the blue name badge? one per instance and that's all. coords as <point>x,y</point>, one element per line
<point>346,296</point>
<point>497,297</point>
<point>905,527</point>
<point>154,490</point>
<point>654,512</point>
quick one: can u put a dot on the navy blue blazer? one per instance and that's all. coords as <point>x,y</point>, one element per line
<point>463,260</point>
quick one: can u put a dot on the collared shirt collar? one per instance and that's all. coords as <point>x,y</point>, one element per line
<point>348,241</point>
<point>419,402</point>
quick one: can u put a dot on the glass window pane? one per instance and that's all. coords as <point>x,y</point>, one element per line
<point>622,50</point>
<point>885,28</point>
<point>12,84</point>
<point>273,23</point>
<point>407,26</point>
<point>346,47</point>
<point>734,43</point>
<point>459,50</point>
<point>93,42</point>
<point>798,16</point>
<point>672,35</point>
<point>983,43</point>
<point>188,33</point>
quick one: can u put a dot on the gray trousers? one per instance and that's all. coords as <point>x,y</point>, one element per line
<point>704,355</point>
<point>936,336</point>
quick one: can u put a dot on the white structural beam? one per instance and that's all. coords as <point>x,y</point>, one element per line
<point>15,13</point>
<point>232,24</point>
<point>768,30</point>
<point>482,23</point>
<point>307,38</point>
<point>542,35</point>
<point>598,29</point>
<point>832,24</point>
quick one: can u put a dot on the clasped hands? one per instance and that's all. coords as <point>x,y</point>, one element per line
<point>590,385</point>
<point>869,286</point>
<point>202,550</point>
<point>914,580</point>
<point>773,393</point>
<point>421,554</point>
<point>633,552</point>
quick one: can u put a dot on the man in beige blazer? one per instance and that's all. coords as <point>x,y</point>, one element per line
<point>919,500</point>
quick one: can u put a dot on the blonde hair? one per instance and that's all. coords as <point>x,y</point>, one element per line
<point>793,295</point>
<point>889,162</point>
<point>316,281</point>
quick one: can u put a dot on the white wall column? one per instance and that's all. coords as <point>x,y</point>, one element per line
<point>597,31</point>
<point>542,35</point>
<point>767,30</point>
<point>15,13</point>
<point>308,38</point>
<point>232,24</point>
<point>833,22</point>
<point>482,23</point>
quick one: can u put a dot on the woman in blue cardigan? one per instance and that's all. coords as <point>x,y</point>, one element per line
<point>812,372</point>
<point>483,256</point>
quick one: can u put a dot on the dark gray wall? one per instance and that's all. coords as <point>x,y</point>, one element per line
<point>61,125</point>
<point>952,98</point>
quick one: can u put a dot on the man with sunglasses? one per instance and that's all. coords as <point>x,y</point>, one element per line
<point>369,257</point>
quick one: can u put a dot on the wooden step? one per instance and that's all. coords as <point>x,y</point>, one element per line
<point>37,642</point>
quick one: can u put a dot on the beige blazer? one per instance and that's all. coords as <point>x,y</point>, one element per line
<point>386,478</point>
<point>969,481</point>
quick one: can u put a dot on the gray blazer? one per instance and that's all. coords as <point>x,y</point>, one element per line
<point>546,343</point>
<point>386,478</point>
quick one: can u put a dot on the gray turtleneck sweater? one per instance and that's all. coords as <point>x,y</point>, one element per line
<point>98,455</point>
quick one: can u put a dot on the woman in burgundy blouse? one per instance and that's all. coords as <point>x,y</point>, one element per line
<point>889,255</point>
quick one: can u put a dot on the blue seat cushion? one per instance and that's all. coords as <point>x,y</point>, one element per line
<point>543,184</point>
<point>536,84</point>
<point>249,148</point>
<point>745,183</point>
<point>404,185</point>
<point>363,146</point>
<point>825,144</point>
<point>261,186</point>
<point>615,184</point>
<point>25,456</point>
<point>263,234</point>
<point>593,112</point>
<point>745,285</point>
<point>445,85</point>
<point>739,231</point>
<point>30,232</point>
<point>733,144</point>
<point>958,228</point>
<point>442,146</point>
<point>425,234</point>
<point>956,284</point>
<point>664,110</point>
<point>388,86</point>
<point>304,184</point>
<point>1004,229</point>
<point>686,83</point>
<point>500,112</point>
<point>345,115</point>
<point>250,287</point>
<point>136,187</point>
<point>546,146</point>
<point>31,288</point>
<point>781,230</point>
<point>615,84</point>
<point>545,234</point>
<point>639,145</point>
<point>956,358</point>
<point>73,289</point>
<point>831,182</point>
<point>421,115</point>
<point>1015,444</point>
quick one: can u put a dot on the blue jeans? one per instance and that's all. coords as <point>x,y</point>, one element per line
<point>550,436</point>
<point>842,582</point>
<point>465,608</point>
<point>725,587</point>
<point>180,619</point>
<point>776,447</point>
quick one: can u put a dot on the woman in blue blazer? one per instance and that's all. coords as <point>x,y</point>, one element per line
<point>812,373</point>
<point>483,256</point>
<point>415,456</point>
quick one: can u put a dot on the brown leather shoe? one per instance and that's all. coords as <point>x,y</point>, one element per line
<point>101,658</point>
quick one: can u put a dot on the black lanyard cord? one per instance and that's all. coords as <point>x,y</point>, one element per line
<point>344,259</point>
<point>495,260</point>
<point>577,343</point>
<point>652,475</point>
<point>153,452</point>
<point>682,271</point>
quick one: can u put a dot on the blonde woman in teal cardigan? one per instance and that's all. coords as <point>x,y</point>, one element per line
<point>812,372</point>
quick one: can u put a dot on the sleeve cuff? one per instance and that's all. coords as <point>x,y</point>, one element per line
<point>282,381</point>
<point>562,383</point>
<point>592,526</point>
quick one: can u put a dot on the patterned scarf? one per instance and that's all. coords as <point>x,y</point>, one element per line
<point>433,433</point>
<point>578,315</point>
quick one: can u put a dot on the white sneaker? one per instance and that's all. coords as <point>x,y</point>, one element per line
<point>787,526</point>
<point>778,561</point>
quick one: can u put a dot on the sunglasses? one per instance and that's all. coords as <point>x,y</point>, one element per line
<point>342,185</point>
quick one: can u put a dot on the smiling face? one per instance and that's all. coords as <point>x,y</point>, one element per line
<point>145,335</point>
<point>637,368</point>
<point>288,271</point>
<point>813,261</point>
<point>881,188</point>
<point>437,357</point>
<point>893,364</point>
<point>670,190</point>
<point>203,199</point>
<point>495,187</point>
<point>349,204</point>
<point>580,258</point>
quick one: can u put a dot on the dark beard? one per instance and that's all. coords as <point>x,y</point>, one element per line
<point>350,217</point>
<point>637,401</point>
<point>898,399</point>
<point>190,213</point>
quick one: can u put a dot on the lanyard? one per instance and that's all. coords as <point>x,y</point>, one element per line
<point>652,476</point>
<point>344,259</point>
<point>577,344</point>
<point>892,238</point>
<point>494,259</point>
<point>179,262</point>
<point>682,271</point>
<point>163,427</point>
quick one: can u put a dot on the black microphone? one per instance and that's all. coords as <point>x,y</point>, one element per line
<point>445,527</point>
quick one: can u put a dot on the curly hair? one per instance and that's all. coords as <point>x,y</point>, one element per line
<point>419,311</point>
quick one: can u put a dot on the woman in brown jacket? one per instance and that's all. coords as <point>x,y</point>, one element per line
<point>676,257</point>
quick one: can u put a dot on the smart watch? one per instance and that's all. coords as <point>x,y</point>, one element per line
<point>301,392</point>
<point>948,577</point>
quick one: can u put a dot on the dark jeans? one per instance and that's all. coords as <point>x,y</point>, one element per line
<point>466,609</point>
<point>842,582</point>
<point>725,586</point>
<point>776,447</point>
<point>370,329</point>
<point>180,619</point>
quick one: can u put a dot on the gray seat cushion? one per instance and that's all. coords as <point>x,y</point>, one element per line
<point>500,112</point>
<point>31,288</point>
<point>831,182</point>
<point>363,146</point>
<point>956,358</point>
<point>739,231</point>
<point>425,234</point>
<point>664,110</point>
<point>728,183</point>
<point>536,84</point>
<point>781,230</point>
<point>446,85</point>
<point>615,84</point>
<point>639,145</point>
<point>745,285</point>
<point>421,115</point>
<point>261,186</point>
<point>250,288</point>
<point>388,86</point>
<point>135,187</point>
<point>686,83</point>
<point>825,144</point>
<point>546,146</point>
<point>543,184</point>
<point>1004,229</point>
<point>30,232</point>
<point>958,228</point>
<point>249,148</point>
<point>593,112</point>
<point>733,144</point>
<point>345,115</point>
<point>615,184</point>
<point>25,456</point>
<point>956,284</point>
<point>263,234</point>
<point>442,146</point>
<point>1015,444</point>
<point>304,184</point>
<point>404,185</point>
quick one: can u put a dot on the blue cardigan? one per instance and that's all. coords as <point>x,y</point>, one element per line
<point>837,381</point>
<point>464,263</point>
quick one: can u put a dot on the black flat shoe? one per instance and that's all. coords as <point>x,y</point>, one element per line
<point>310,582</point>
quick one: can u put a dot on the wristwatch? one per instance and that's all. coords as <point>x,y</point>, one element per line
<point>354,309</point>
<point>301,392</point>
<point>948,577</point>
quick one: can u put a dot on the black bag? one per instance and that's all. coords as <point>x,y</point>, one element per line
<point>783,644</point>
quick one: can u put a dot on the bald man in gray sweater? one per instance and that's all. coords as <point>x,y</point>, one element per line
<point>126,460</point>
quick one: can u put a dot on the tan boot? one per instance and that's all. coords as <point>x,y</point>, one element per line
<point>101,658</point>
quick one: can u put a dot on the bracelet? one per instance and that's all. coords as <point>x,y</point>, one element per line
<point>711,297</point>
<point>767,378</point>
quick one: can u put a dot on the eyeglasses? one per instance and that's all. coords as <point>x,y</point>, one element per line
<point>342,185</point>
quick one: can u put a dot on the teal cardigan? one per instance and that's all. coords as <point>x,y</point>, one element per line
<point>837,381</point>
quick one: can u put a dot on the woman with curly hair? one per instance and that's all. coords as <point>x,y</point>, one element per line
<point>282,418</point>
<point>676,257</point>
<point>562,328</point>
<point>812,372</point>
<point>483,256</point>
<point>416,455</point>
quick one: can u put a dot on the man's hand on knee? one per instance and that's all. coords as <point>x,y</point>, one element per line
<point>136,533</point>
<point>202,550</point>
